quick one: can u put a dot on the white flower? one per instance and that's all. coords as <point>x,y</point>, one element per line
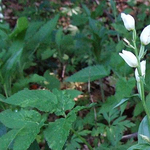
<point>128,21</point>
<point>143,68</point>
<point>129,58</point>
<point>73,29</point>
<point>1,17</point>
<point>145,35</point>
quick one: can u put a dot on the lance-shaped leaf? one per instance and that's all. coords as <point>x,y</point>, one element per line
<point>90,73</point>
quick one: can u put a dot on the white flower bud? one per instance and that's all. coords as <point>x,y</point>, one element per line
<point>143,68</point>
<point>126,41</point>
<point>145,35</point>
<point>128,21</point>
<point>129,58</point>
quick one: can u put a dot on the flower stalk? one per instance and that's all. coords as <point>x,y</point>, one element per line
<point>137,63</point>
<point>140,82</point>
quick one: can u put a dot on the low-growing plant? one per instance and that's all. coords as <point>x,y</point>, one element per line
<point>40,106</point>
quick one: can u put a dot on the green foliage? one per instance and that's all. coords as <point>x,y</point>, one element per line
<point>124,87</point>
<point>34,146</point>
<point>148,101</point>
<point>65,101</point>
<point>22,24</point>
<point>144,130</point>
<point>140,147</point>
<point>41,34</point>
<point>51,81</point>
<point>52,45</point>
<point>24,124</point>
<point>58,131</point>
<point>23,83</point>
<point>3,129</point>
<point>143,136</point>
<point>90,73</point>
<point>43,100</point>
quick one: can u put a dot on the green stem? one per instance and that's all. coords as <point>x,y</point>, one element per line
<point>141,53</point>
<point>134,43</point>
<point>146,110</point>
<point>143,100</point>
<point>82,139</point>
<point>136,53</point>
<point>141,83</point>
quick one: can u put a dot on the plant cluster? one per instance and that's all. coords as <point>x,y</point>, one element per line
<point>54,61</point>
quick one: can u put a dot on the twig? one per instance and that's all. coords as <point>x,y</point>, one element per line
<point>102,90</point>
<point>91,99</point>
<point>97,2</point>
<point>63,71</point>
<point>8,18</point>
<point>129,136</point>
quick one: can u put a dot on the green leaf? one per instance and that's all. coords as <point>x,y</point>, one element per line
<point>125,100</point>
<point>67,43</point>
<point>86,10</point>
<point>73,93</point>
<point>143,146</point>
<point>93,26</point>
<point>90,73</point>
<point>25,127</point>
<point>138,109</point>
<point>98,130</point>
<point>43,33</point>
<point>12,58</point>
<point>74,143</point>
<point>3,129</point>
<point>25,137</point>
<point>34,146</point>
<point>78,108</point>
<point>19,138</point>
<point>43,100</point>
<point>33,27</point>
<point>144,129</point>
<point>113,6</point>
<point>51,81</point>
<point>7,139</point>
<point>65,101</point>
<point>148,102</point>
<point>58,37</point>
<point>18,119</point>
<point>57,132</point>
<point>124,88</point>
<point>22,24</point>
<point>122,102</point>
<point>114,134</point>
<point>119,28</point>
<point>47,53</point>
<point>108,105</point>
<point>78,20</point>
<point>22,83</point>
